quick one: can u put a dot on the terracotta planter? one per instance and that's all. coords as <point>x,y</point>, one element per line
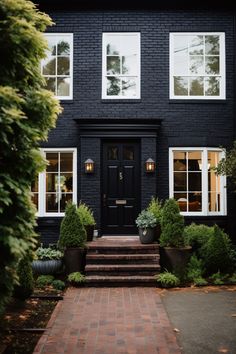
<point>89,231</point>
<point>175,259</point>
<point>74,259</point>
<point>146,235</point>
<point>42,267</point>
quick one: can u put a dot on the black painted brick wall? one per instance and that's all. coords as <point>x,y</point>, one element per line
<point>184,123</point>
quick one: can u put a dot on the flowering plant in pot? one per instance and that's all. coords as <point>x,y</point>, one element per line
<point>87,219</point>
<point>146,223</point>
<point>48,261</point>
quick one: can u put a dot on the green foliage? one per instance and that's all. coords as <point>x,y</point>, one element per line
<point>72,232</point>
<point>76,277</point>
<point>199,281</point>
<point>197,235</point>
<point>216,252</point>
<point>217,278</point>
<point>25,278</point>
<point>232,279</point>
<point>167,280</point>
<point>48,254</point>
<point>194,268</point>
<point>227,166</point>
<point>146,219</point>
<point>27,113</point>
<point>44,280</point>
<point>155,207</point>
<point>58,284</point>
<point>86,214</point>
<point>172,225</point>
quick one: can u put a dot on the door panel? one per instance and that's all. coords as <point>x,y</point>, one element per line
<point>120,187</point>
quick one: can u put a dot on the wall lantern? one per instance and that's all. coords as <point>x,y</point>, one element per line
<point>89,166</point>
<point>150,165</point>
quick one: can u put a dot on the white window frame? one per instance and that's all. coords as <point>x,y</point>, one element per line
<point>104,62</point>
<point>42,183</point>
<point>222,95</point>
<point>223,190</point>
<point>71,41</point>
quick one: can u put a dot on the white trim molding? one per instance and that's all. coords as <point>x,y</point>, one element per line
<point>53,58</point>
<point>121,65</point>
<point>209,195</point>
<point>197,65</point>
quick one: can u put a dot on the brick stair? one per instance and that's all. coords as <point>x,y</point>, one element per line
<point>121,261</point>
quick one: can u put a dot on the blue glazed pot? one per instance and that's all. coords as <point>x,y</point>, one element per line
<point>47,266</point>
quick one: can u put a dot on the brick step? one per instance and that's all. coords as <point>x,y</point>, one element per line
<point>98,258</point>
<point>116,281</point>
<point>122,269</point>
<point>95,247</point>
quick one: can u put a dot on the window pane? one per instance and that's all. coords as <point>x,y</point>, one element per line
<point>181,45</point>
<point>181,65</point>
<point>196,45</point>
<point>113,45</point>
<point>128,153</point>
<point>194,161</point>
<point>49,66</point>
<point>212,181</point>
<point>52,202</point>
<point>180,181</point>
<point>51,84</point>
<point>129,87</point>
<point>196,65</point>
<point>129,44</point>
<point>53,161</point>
<point>52,46</point>
<point>63,86</point>
<point>195,202</point>
<point>180,86</point>
<point>212,86</point>
<point>63,48</point>
<point>196,86</point>
<point>113,65</point>
<point>51,182</point>
<point>212,45</point>
<point>194,181</point>
<point>129,65</point>
<point>113,86</point>
<point>65,198</point>
<point>214,201</point>
<point>66,182</point>
<point>212,65</point>
<point>112,153</point>
<point>180,162</point>
<point>35,199</point>
<point>182,200</point>
<point>66,162</point>
<point>63,66</point>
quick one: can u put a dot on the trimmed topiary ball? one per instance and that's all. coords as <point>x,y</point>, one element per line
<point>26,280</point>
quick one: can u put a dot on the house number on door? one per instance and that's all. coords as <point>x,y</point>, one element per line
<point>121,176</point>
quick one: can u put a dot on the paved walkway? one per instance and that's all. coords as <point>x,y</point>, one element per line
<point>109,321</point>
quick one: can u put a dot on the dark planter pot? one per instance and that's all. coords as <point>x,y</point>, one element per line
<point>175,259</point>
<point>74,259</point>
<point>146,235</point>
<point>46,267</point>
<point>89,231</point>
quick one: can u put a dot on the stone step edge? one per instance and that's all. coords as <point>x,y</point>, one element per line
<point>118,278</point>
<point>122,256</point>
<point>120,245</point>
<point>121,267</point>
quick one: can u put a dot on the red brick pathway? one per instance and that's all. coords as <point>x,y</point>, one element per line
<point>109,321</point>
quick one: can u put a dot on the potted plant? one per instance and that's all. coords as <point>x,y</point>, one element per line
<point>48,261</point>
<point>155,207</point>
<point>87,219</point>
<point>72,239</point>
<point>146,223</point>
<point>174,253</point>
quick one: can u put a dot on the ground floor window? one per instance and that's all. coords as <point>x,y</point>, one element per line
<point>193,182</point>
<point>55,186</point>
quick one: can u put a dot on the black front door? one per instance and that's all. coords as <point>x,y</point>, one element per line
<point>120,187</point>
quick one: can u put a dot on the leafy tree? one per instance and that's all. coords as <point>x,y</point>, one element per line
<point>227,166</point>
<point>27,113</point>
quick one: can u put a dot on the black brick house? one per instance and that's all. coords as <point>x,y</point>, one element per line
<point>138,83</point>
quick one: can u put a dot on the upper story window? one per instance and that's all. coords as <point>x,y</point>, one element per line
<point>121,66</point>
<point>55,186</point>
<point>197,65</point>
<point>58,65</point>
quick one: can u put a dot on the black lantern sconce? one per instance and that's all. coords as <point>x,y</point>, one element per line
<point>150,165</point>
<point>89,166</point>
